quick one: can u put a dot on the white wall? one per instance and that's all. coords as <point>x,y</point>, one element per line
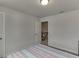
<point>64,30</point>
<point>20,30</point>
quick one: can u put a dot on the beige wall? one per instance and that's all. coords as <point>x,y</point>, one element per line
<point>63,30</point>
<point>20,30</point>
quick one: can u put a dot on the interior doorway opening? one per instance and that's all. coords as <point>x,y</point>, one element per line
<point>44,33</point>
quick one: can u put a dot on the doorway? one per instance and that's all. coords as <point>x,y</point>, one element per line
<point>44,33</point>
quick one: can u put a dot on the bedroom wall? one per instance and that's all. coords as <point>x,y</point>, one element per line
<point>20,30</point>
<point>64,30</point>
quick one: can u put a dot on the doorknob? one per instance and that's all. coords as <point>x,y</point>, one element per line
<point>0,38</point>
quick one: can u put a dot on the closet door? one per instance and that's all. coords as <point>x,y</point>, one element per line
<point>2,35</point>
<point>37,34</point>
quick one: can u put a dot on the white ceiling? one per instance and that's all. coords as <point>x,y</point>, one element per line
<point>33,7</point>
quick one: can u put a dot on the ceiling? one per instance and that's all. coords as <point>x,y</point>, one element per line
<point>33,7</point>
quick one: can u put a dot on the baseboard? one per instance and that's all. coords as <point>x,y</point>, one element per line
<point>63,50</point>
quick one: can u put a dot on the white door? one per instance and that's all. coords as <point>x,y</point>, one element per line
<point>2,35</point>
<point>37,31</point>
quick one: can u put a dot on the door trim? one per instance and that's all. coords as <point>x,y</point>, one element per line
<point>41,30</point>
<point>3,35</point>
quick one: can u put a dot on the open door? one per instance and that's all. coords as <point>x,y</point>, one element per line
<point>44,33</point>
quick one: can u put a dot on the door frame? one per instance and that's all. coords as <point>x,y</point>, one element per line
<point>41,29</point>
<point>3,35</point>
